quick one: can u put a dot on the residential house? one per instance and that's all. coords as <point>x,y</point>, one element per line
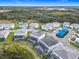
<point>47,27</point>
<point>52,56</point>
<point>1,27</point>
<point>64,53</point>
<point>24,26</point>
<point>34,25</point>
<point>49,43</point>
<point>8,26</point>
<point>4,35</point>
<point>20,34</point>
<point>66,24</point>
<point>74,26</point>
<point>46,45</point>
<point>36,36</point>
<point>56,24</point>
<point>77,41</point>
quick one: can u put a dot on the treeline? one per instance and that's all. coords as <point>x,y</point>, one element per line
<point>43,16</point>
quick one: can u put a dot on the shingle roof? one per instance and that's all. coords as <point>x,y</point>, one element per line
<point>49,41</point>
<point>75,26</point>
<point>20,32</point>
<point>4,34</point>
<point>37,33</point>
<point>65,54</point>
<point>62,53</point>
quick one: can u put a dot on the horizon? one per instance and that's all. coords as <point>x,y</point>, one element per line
<point>39,3</point>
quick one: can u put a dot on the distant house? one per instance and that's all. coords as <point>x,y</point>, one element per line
<point>1,27</point>
<point>56,24</point>
<point>20,34</point>
<point>20,23</point>
<point>4,35</point>
<point>8,26</point>
<point>78,31</point>
<point>12,18</point>
<point>66,24</point>
<point>77,41</point>
<point>33,25</point>
<point>24,26</point>
<point>74,26</point>
<point>61,33</point>
<point>47,27</point>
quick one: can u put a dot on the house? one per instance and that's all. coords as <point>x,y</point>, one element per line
<point>66,24</point>
<point>34,25</point>
<point>78,31</point>
<point>4,35</point>
<point>20,34</point>
<point>77,41</point>
<point>52,56</point>
<point>61,33</point>
<point>1,27</point>
<point>40,50</point>
<point>24,26</point>
<point>47,27</point>
<point>36,36</point>
<point>8,26</point>
<point>74,26</point>
<point>63,53</point>
<point>20,23</point>
<point>46,45</point>
<point>56,24</point>
<point>49,43</point>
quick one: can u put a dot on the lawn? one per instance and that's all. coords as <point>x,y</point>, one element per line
<point>77,46</point>
<point>16,26</point>
<point>60,13</point>
<point>9,38</point>
<point>17,51</point>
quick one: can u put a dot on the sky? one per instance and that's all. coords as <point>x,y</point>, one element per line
<point>39,2</point>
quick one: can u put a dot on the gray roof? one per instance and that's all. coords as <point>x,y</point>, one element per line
<point>52,56</point>
<point>62,53</point>
<point>49,41</point>
<point>4,34</point>
<point>40,49</point>
<point>75,26</point>
<point>20,32</point>
<point>37,33</point>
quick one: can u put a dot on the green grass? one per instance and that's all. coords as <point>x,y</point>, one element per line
<point>9,38</point>
<point>77,35</point>
<point>16,51</point>
<point>28,34</point>
<point>31,47</point>
<point>16,26</point>
<point>39,26</point>
<point>73,44</point>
